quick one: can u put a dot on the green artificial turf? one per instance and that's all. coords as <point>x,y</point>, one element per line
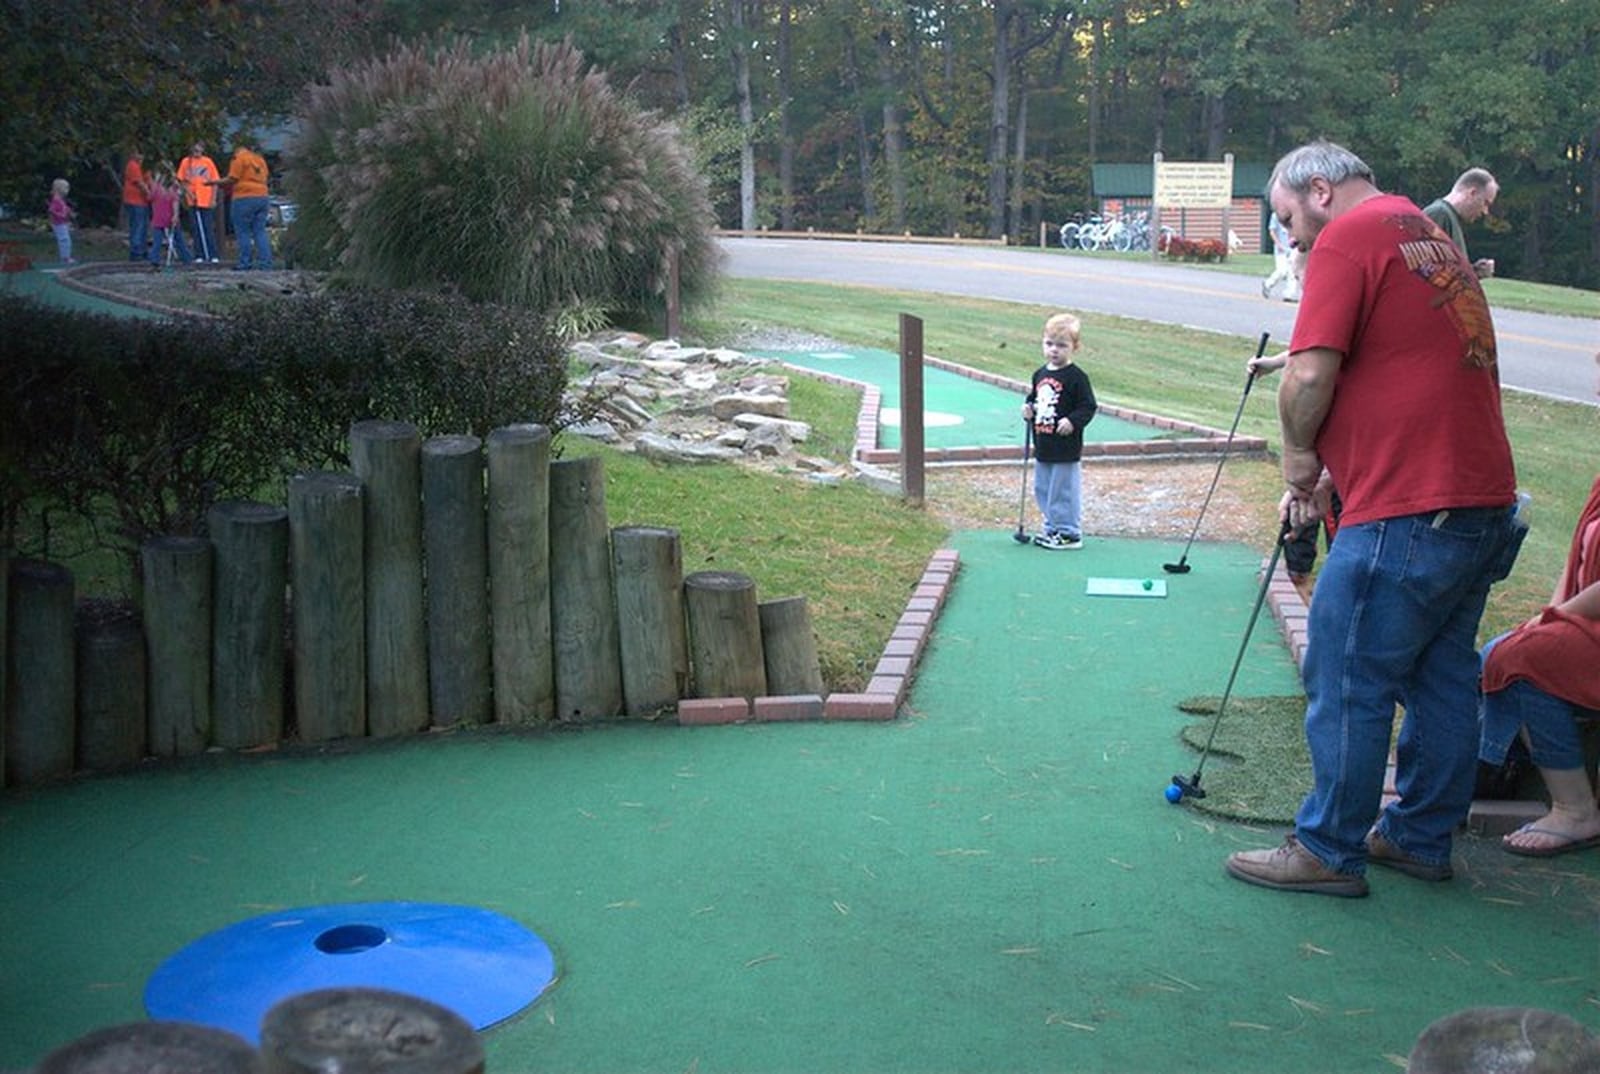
<point>1259,769</point>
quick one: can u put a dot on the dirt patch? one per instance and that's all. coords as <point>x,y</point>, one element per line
<point>190,289</point>
<point>1144,498</point>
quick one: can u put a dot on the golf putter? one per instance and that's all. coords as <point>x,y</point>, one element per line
<point>1021,536</point>
<point>1189,787</point>
<point>1182,566</point>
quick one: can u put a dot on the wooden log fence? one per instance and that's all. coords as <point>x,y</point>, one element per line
<point>519,574</point>
<point>177,630</point>
<point>325,546</point>
<point>250,545</point>
<point>456,552</point>
<point>387,457</point>
<point>437,581</point>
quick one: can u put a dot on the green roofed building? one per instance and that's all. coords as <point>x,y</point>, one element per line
<point>1128,187</point>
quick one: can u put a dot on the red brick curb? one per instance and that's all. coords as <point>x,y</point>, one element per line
<point>887,686</point>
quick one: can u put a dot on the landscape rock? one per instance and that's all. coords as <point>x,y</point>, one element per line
<point>769,439</point>
<point>667,449</point>
<point>795,430</point>
<point>727,407</point>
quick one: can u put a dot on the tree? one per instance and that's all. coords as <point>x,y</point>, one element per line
<point>82,80</point>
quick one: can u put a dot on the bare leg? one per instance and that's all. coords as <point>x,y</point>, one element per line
<point>1573,814</point>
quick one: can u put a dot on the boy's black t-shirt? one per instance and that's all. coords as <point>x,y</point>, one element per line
<point>1056,394</point>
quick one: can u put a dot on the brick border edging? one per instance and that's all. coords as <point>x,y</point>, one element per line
<point>1486,817</point>
<point>72,279</point>
<point>886,687</point>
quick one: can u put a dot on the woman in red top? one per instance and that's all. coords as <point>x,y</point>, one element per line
<point>1536,680</point>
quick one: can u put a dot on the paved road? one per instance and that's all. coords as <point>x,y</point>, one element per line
<point>1538,353</point>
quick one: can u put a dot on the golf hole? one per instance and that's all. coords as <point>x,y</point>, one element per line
<point>350,939</point>
<point>931,419</point>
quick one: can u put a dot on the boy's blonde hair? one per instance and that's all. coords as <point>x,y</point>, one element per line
<point>60,186</point>
<point>1063,325</point>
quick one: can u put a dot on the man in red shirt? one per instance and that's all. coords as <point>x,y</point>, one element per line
<point>1391,384</point>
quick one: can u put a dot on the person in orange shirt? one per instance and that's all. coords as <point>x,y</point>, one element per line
<point>136,203</point>
<point>247,178</point>
<point>198,175</point>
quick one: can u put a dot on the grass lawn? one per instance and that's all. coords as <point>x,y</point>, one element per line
<point>1502,293</point>
<point>1197,376</point>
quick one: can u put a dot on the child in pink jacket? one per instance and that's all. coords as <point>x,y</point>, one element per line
<point>61,214</point>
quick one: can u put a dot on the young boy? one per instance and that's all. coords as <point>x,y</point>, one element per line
<point>1059,405</point>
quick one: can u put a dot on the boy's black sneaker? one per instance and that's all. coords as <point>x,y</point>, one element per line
<point>1056,542</point>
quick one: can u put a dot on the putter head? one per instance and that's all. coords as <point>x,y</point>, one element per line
<point>1021,538</point>
<point>1190,786</point>
<point>1179,567</point>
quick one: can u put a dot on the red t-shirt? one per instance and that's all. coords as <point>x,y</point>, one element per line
<point>1415,424</point>
<point>1560,653</point>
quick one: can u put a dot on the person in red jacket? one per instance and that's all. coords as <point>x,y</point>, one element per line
<point>1536,680</point>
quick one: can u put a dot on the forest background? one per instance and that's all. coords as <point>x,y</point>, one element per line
<point>936,117</point>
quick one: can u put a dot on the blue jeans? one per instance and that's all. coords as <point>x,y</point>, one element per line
<point>205,234</point>
<point>63,234</point>
<point>1394,622</point>
<point>250,230</point>
<point>1058,489</point>
<point>158,245</point>
<point>138,231</point>
<point>1553,739</point>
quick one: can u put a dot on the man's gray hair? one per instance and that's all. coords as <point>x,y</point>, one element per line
<point>1472,179</point>
<point>1332,162</point>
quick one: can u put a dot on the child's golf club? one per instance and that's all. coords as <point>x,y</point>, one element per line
<point>1189,787</point>
<point>1182,566</point>
<point>1021,536</point>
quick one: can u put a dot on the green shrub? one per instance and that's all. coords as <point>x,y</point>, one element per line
<point>131,422</point>
<point>439,361</point>
<point>136,427</point>
<point>516,176</point>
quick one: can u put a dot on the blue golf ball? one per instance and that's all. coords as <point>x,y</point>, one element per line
<point>1174,793</point>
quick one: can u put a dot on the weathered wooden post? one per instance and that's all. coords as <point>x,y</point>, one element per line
<point>325,546</point>
<point>177,574</point>
<point>39,719</point>
<point>110,686</point>
<point>153,1046</point>
<point>250,576</point>
<point>724,635</point>
<point>366,1031</point>
<point>519,574</point>
<point>789,646</point>
<point>647,567</point>
<point>913,441</point>
<point>583,615</point>
<point>386,455</point>
<point>459,675</point>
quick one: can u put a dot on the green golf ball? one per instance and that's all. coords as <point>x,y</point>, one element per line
<point>1148,584</point>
